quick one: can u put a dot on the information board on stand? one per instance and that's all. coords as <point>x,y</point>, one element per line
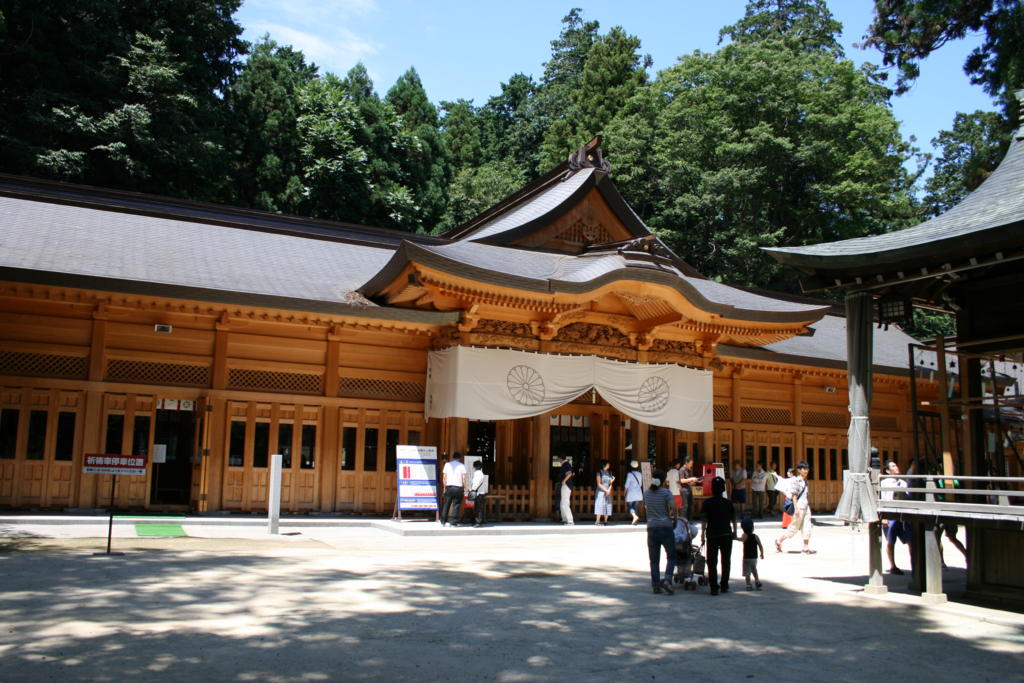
<point>417,479</point>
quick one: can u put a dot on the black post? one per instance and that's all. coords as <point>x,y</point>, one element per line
<point>110,524</point>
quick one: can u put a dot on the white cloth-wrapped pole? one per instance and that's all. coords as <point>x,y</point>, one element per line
<point>502,384</point>
<point>857,504</point>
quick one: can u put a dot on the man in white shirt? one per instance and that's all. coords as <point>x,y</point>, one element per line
<point>758,484</point>
<point>454,478</point>
<point>894,528</point>
<point>738,477</point>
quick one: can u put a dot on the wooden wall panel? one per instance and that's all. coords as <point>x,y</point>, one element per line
<point>261,347</point>
<point>51,330</point>
<point>142,337</point>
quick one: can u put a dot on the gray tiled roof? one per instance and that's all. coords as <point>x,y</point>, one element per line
<point>997,202</point>
<point>565,272</point>
<point>75,240</point>
<point>828,346</point>
<point>535,207</point>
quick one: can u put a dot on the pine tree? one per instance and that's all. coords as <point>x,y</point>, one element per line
<point>264,110</point>
<point>424,166</point>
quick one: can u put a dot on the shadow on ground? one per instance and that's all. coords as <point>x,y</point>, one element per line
<point>289,615</point>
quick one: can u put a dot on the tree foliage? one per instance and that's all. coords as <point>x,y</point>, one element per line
<point>767,142</point>
<point>907,31</point>
<point>264,107</point>
<point>118,94</point>
<point>772,139</point>
<point>969,154</point>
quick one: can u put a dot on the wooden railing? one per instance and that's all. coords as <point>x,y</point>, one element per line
<point>987,497</point>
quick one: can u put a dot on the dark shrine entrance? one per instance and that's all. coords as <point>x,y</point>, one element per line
<point>173,444</point>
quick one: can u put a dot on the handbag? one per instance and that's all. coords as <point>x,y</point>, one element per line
<point>788,508</point>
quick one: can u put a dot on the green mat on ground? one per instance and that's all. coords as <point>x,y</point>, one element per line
<point>159,530</point>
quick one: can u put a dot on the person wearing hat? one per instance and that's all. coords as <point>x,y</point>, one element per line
<point>634,490</point>
<point>661,511</point>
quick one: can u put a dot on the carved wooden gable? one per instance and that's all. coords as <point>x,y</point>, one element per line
<point>591,221</point>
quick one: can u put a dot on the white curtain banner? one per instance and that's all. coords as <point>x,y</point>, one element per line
<point>503,384</point>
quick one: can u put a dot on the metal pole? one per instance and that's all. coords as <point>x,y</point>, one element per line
<point>274,494</point>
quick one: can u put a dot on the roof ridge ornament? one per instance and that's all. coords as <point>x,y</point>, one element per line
<point>589,156</point>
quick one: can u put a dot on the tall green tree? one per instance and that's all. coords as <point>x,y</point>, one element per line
<point>424,165</point>
<point>263,127</point>
<point>477,188</point>
<point>907,31</point>
<point>766,142</point>
<point>461,134</point>
<point>118,94</point>
<point>613,70</point>
<point>969,153</point>
<point>512,124</point>
<point>351,150</point>
<point>802,24</point>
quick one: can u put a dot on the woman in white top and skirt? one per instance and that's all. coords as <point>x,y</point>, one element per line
<point>478,485</point>
<point>603,497</point>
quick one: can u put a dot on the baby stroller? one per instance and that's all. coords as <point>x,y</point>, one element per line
<point>690,562</point>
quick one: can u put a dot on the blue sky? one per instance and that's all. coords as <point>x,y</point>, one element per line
<point>467,48</point>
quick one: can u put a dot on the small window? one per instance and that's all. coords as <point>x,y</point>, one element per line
<point>308,447</point>
<point>36,447</point>
<point>370,449</point>
<point>788,460</point>
<point>391,450</point>
<point>846,460</point>
<point>115,434</point>
<point>261,445</point>
<point>140,436</point>
<point>284,444</point>
<point>236,451</point>
<point>348,448</point>
<point>834,464</point>
<point>414,438</point>
<point>8,433</point>
<point>65,448</point>
<point>681,449</point>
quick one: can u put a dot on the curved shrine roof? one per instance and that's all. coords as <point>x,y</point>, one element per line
<point>992,217</point>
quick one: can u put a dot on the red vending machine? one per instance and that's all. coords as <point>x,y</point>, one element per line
<point>709,472</point>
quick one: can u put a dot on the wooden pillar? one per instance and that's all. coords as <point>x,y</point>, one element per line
<point>220,353</point>
<point>638,430</point>
<point>944,435</point>
<point>97,345</point>
<point>540,467</point>
<point>737,390</point>
<point>504,451</point>
<point>92,442</point>
<point>798,400</point>
<point>330,457</point>
<point>217,414</point>
<point>331,360</point>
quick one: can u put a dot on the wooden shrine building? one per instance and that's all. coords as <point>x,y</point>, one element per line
<point>209,337</point>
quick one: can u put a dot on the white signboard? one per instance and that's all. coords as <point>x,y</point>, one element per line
<point>159,452</point>
<point>417,477</point>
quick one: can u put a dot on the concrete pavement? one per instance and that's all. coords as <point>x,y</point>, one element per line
<point>355,599</point>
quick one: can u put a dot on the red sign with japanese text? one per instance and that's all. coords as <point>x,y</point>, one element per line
<point>132,465</point>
